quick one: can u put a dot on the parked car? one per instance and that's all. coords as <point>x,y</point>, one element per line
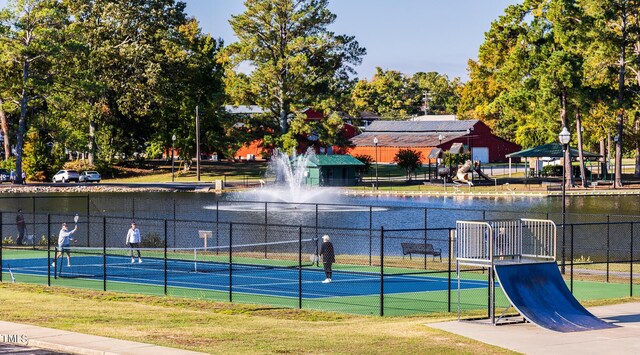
<point>89,176</point>
<point>66,175</point>
<point>5,176</point>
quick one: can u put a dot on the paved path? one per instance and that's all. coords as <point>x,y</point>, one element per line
<point>26,350</point>
<point>23,339</point>
<point>531,339</point>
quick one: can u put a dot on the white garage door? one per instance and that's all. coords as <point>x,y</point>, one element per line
<point>480,153</point>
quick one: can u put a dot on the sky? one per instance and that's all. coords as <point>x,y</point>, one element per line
<point>404,35</point>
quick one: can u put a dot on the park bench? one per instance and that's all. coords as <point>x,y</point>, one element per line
<point>420,248</point>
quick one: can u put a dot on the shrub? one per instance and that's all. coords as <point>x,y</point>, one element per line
<point>38,176</point>
<point>43,240</point>
<point>79,165</point>
<point>409,160</point>
<point>152,240</point>
<point>552,170</point>
<point>8,164</point>
<point>367,160</point>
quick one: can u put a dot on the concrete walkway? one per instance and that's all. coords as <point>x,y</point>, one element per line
<point>531,339</point>
<point>76,343</point>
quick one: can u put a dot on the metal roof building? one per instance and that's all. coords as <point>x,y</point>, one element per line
<point>423,136</point>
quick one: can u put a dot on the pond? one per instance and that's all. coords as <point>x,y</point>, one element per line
<point>350,219</point>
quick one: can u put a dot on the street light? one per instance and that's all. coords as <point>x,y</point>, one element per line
<point>564,137</point>
<point>375,144</point>
<point>469,131</point>
<point>440,138</point>
<point>173,144</point>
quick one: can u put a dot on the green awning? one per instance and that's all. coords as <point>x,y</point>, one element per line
<point>551,150</point>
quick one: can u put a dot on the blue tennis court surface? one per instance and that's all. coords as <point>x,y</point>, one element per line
<point>274,281</point>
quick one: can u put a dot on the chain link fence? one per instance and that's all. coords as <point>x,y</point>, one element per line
<point>252,258</point>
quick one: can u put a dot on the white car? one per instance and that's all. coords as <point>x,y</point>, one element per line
<point>89,176</point>
<point>66,175</point>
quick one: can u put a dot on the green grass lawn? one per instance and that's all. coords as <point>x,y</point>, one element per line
<point>226,328</point>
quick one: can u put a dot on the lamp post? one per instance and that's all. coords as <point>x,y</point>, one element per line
<point>173,144</point>
<point>375,144</point>
<point>469,131</point>
<point>564,137</point>
<point>440,138</point>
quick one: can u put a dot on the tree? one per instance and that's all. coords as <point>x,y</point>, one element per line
<point>438,93</point>
<point>612,56</point>
<point>409,160</point>
<point>296,61</point>
<point>394,95</point>
<point>140,75</point>
<point>390,94</point>
<point>32,43</point>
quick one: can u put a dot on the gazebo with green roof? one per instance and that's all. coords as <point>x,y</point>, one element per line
<point>333,170</point>
<point>550,150</point>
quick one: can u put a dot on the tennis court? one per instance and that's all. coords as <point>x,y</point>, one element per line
<point>265,277</point>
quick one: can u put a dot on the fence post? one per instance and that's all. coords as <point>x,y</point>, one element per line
<point>175,245</point>
<point>33,208</point>
<point>450,247</point>
<point>88,223</point>
<point>425,238</point>
<point>300,267</point>
<point>631,263</point>
<point>1,241</point>
<point>266,223</point>
<point>608,241</point>
<point>571,255</point>
<point>230,262</point>
<point>165,257</point>
<point>315,238</point>
<point>48,250</point>
<point>217,226</point>
<point>370,234</point>
<point>381,271</point>
<point>104,253</point>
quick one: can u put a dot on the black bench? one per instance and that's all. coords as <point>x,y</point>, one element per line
<point>420,248</point>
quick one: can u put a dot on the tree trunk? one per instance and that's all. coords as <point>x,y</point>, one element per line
<point>621,75</point>
<point>22,124</point>
<point>636,122</point>
<point>603,160</point>
<point>92,141</point>
<point>636,129</point>
<point>583,173</point>
<point>4,125</point>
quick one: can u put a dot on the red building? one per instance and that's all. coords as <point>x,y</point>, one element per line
<point>256,149</point>
<point>423,136</point>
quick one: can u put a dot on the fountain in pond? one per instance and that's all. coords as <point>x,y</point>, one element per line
<point>287,189</point>
<point>289,176</point>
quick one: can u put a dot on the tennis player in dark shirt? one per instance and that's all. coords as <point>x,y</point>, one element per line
<point>328,257</point>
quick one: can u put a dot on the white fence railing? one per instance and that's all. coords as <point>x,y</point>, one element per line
<point>485,242</point>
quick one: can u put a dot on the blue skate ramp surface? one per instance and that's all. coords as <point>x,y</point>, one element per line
<point>540,294</point>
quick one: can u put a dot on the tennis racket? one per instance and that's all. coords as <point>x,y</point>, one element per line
<point>75,219</point>
<point>13,279</point>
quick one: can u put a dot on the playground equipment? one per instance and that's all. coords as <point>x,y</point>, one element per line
<point>478,170</point>
<point>522,255</point>
<point>463,172</point>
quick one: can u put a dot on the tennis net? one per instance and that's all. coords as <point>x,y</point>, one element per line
<point>101,262</point>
